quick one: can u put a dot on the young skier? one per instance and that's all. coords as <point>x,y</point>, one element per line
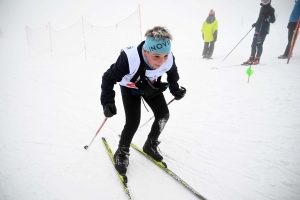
<point>138,70</point>
<point>209,34</point>
<point>294,17</point>
<point>262,28</point>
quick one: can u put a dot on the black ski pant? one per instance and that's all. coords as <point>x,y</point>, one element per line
<point>291,26</point>
<point>257,44</point>
<point>290,37</point>
<point>132,107</point>
<point>208,48</point>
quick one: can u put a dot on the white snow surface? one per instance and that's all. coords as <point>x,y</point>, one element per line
<point>227,138</point>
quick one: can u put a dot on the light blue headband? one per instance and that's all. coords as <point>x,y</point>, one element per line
<point>157,46</point>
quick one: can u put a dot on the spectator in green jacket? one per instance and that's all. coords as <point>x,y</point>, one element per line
<point>209,34</point>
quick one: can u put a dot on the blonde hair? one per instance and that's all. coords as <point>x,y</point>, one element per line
<point>159,32</point>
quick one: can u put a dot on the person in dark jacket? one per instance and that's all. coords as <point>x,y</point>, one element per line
<point>262,28</point>
<point>137,70</point>
<point>294,17</point>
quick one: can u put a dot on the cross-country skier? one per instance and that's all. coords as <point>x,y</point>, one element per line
<point>262,28</point>
<point>209,34</point>
<point>155,56</point>
<point>294,17</point>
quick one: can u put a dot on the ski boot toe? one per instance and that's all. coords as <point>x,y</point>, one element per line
<point>150,148</point>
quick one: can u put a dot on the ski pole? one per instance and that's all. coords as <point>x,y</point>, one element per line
<point>86,146</point>
<point>153,116</point>
<point>237,44</point>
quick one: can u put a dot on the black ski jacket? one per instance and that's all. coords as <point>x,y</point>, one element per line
<point>121,68</point>
<point>265,17</point>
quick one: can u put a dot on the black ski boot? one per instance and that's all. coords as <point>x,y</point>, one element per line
<point>256,61</point>
<point>208,56</point>
<point>282,57</point>
<point>150,148</point>
<point>121,159</point>
<point>251,59</point>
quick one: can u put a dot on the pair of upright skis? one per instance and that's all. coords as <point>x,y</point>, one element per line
<point>162,165</point>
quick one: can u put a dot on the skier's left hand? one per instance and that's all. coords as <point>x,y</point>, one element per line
<point>268,18</point>
<point>180,93</point>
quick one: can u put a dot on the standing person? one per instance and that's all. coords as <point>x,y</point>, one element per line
<point>136,70</point>
<point>294,17</point>
<point>209,34</point>
<point>262,28</point>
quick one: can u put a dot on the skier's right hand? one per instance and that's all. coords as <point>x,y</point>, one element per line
<point>253,25</point>
<point>110,110</point>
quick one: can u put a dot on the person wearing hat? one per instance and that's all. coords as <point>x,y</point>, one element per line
<point>209,34</point>
<point>262,28</point>
<point>138,70</point>
<point>294,18</point>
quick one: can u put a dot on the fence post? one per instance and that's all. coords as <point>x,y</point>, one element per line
<point>50,38</point>
<point>27,40</point>
<point>140,22</point>
<point>83,37</point>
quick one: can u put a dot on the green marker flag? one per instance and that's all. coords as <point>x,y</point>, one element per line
<point>249,71</point>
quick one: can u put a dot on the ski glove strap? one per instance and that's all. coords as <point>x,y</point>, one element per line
<point>180,93</point>
<point>110,110</point>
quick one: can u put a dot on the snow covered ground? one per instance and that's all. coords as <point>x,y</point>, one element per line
<point>228,139</point>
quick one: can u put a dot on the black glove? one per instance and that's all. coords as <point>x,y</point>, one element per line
<point>110,110</point>
<point>215,39</point>
<point>180,93</point>
<point>253,25</point>
<point>202,36</point>
<point>267,18</point>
